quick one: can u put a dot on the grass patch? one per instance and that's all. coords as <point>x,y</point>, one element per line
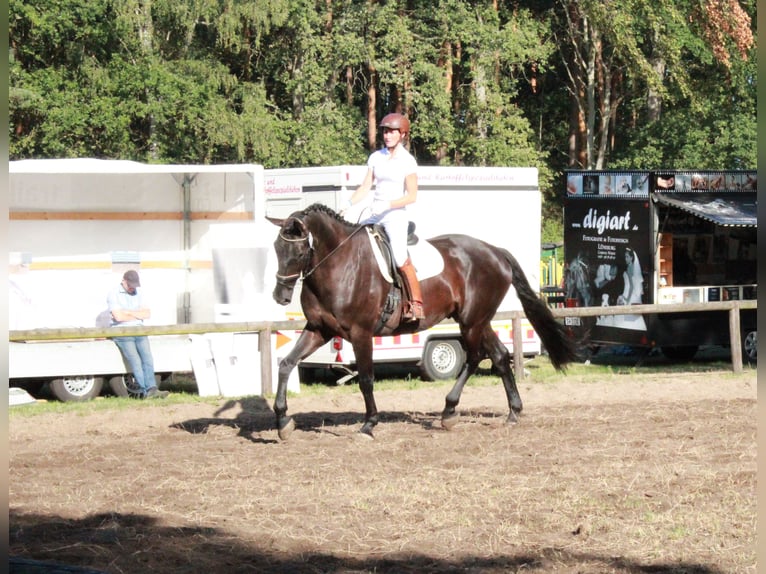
<point>183,388</point>
<point>104,403</point>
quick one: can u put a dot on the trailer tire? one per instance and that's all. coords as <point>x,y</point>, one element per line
<point>76,388</point>
<point>125,386</point>
<point>750,346</point>
<point>680,352</point>
<point>442,359</point>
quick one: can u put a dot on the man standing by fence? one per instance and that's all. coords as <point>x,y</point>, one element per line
<point>127,308</point>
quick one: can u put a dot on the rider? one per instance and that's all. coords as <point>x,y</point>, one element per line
<point>393,169</point>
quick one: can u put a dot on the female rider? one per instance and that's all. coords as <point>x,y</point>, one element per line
<point>394,171</point>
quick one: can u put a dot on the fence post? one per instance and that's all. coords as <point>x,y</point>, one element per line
<point>264,349</point>
<point>518,351</point>
<point>736,340</point>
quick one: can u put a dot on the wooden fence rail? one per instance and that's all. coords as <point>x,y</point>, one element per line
<point>266,328</point>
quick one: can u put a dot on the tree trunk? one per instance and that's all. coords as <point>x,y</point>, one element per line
<point>146,39</point>
<point>590,93</point>
<point>372,104</point>
<point>456,100</point>
<point>653,99</point>
<point>349,86</point>
<point>604,117</point>
<point>298,98</point>
<point>445,63</point>
<point>577,131</point>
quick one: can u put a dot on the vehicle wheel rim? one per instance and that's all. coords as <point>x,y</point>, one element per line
<point>132,386</point>
<point>444,358</point>
<point>751,345</point>
<point>78,386</point>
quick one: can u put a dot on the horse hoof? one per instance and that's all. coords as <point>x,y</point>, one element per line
<point>449,421</point>
<point>286,429</point>
<point>366,431</point>
<point>512,419</point>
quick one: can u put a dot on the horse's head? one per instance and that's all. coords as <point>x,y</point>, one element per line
<point>293,248</point>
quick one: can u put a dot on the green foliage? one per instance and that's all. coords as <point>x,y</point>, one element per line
<point>287,82</point>
<point>714,132</point>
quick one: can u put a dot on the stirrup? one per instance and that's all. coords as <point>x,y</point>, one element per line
<point>414,311</point>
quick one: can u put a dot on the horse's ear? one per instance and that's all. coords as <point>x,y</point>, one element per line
<point>299,228</point>
<point>291,227</point>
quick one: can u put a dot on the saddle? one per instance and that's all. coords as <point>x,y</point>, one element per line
<point>392,309</point>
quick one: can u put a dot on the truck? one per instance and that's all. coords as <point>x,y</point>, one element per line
<point>661,237</point>
<point>196,233</point>
<point>501,205</point>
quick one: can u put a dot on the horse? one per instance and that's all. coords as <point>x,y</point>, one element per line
<point>577,282</point>
<point>344,294</point>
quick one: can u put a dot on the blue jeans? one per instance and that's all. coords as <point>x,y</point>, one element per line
<point>139,357</point>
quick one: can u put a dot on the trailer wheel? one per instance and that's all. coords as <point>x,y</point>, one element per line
<point>442,359</point>
<point>77,388</point>
<point>680,353</point>
<point>750,346</point>
<point>125,386</point>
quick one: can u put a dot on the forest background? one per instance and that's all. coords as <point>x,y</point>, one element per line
<point>555,84</point>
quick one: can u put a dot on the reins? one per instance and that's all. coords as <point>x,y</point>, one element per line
<point>350,235</point>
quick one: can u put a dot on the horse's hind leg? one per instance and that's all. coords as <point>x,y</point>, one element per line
<point>366,378</point>
<point>501,359</point>
<point>472,340</point>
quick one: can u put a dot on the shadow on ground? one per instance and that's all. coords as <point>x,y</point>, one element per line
<point>136,544</point>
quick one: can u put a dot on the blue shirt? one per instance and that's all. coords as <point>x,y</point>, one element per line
<point>120,299</point>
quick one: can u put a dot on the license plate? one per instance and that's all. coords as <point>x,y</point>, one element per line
<point>572,321</point>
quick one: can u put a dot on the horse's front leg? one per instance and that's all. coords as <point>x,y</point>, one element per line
<point>307,343</point>
<point>364,365</point>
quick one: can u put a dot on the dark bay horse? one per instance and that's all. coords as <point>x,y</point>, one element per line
<point>344,293</point>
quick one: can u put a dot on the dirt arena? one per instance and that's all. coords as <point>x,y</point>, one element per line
<point>626,474</point>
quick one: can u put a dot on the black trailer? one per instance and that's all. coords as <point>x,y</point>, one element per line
<point>654,237</point>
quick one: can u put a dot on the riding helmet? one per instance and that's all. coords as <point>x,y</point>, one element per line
<point>396,121</point>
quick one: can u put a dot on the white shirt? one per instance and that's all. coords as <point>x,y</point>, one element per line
<point>390,171</point>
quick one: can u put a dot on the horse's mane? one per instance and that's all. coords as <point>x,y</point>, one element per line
<point>321,208</point>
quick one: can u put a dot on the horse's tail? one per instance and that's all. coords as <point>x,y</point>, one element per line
<point>561,347</point>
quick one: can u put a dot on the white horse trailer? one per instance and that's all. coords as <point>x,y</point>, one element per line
<point>196,234</point>
<point>501,205</point>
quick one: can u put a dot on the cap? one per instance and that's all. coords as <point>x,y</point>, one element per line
<point>132,278</point>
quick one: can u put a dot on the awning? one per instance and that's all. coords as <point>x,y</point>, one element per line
<point>726,210</point>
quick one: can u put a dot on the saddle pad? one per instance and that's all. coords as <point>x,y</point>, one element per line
<point>427,260</point>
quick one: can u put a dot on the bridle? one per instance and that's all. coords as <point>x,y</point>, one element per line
<point>290,280</point>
